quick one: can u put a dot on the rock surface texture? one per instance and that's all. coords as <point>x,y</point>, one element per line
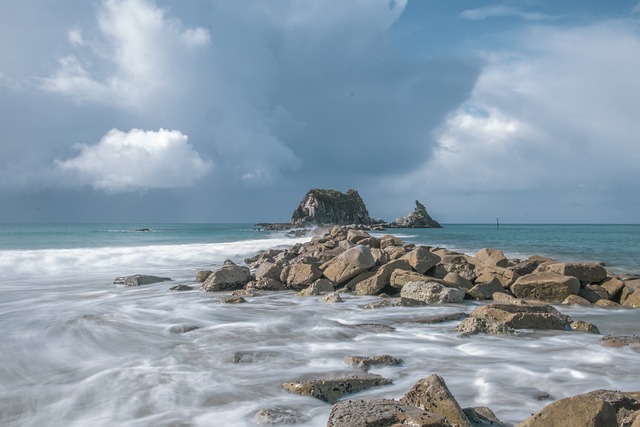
<point>331,207</point>
<point>419,218</point>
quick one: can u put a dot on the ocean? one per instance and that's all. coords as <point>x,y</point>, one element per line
<point>78,350</point>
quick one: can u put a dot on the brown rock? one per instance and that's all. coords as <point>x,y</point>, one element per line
<point>621,340</point>
<point>605,303</point>
<point>355,236</point>
<point>429,292</point>
<point>332,389</point>
<point>318,287</point>
<point>483,291</point>
<point>577,411</point>
<point>524,316</point>
<point>270,270</point>
<point>229,277</point>
<point>593,293</point>
<point>475,325</point>
<point>267,284</point>
<point>332,298</point>
<point>482,416</point>
<point>432,394</point>
<point>632,300</point>
<point>233,299</point>
<point>381,413</point>
<point>493,257</point>
<point>401,277</point>
<point>550,287</point>
<point>575,300</point>
<point>583,271</point>
<point>456,280</point>
<point>389,240</point>
<point>582,326</point>
<point>487,274</point>
<point>302,275</point>
<point>364,363</point>
<point>381,278</point>
<point>201,276</point>
<point>349,264</point>
<point>421,259</point>
<point>613,286</point>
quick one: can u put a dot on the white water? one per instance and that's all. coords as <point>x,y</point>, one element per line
<point>77,350</point>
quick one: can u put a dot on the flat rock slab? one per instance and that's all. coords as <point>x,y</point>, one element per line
<point>621,341</point>
<point>279,416</point>
<point>381,413</point>
<point>139,280</point>
<point>364,362</point>
<point>548,286</point>
<point>429,292</point>
<point>524,316</point>
<point>331,389</point>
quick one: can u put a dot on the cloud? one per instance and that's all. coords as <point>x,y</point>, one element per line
<point>551,130</point>
<point>137,160</point>
<point>139,46</point>
<point>636,8</point>
<point>499,11</point>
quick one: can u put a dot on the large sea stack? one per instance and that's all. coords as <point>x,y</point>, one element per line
<point>331,207</point>
<point>419,218</point>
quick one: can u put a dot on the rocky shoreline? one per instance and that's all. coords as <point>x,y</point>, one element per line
<point>518,295</point>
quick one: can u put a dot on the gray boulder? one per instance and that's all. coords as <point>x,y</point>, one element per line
<point>332,389</point>
<point>421,259</point>
<point>279,416</point>
<point>349,264</point>
<point>432,394</point>
<point>381,413</point>
<point>139,280</point>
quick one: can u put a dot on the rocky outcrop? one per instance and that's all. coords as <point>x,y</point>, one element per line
<point>321,206</point>
<point>381,412</point>
<point>432,394</point>
<point>228,278</point>
<point>419,218</point>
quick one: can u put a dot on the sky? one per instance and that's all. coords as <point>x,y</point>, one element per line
<point>229,111</point>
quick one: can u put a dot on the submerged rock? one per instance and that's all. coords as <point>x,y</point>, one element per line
<point>332,389</point>
<point>139,280</point>
<point>381,413</point>
<point>363,362</point>
<point>279,416</point>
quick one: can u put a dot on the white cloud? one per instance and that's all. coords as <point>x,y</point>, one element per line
<point>556,123</point>
<point>498,11</point>
<point>138,160</point>
<point>141,49</point>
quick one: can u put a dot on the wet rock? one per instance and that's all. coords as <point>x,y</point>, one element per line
<point>381,278</point>
<point>267,284</point>
<point>318,287</point>
<point>349,264</point>
<point>233,299</point>
<point>182,328</point>
<point>201,276</point>
<point>227,278</point>
<point>252,356</point>
<point>605,303</point>
<point>582,326</point>
<point>551,287</point>
<point>576,411</point>
<point>302,275</point>
<point>493,257</point>
<point>481,416</point>
<point>364,363</point>
<point>331,389</point>
<point>381,413</point>
<point>613,286</point>
<point>625,404</point>
<point>389,302</point>
<point>421,259</point>
<point>458,281</point>
<point>488,273</point>
<point>475,325</point>
<point>179,288</point>
<point>593,293</point>
<point>432,394</point>
<point>525,267</point>
<point>632,300</point>
<point>483,291</point>
<point>373,327</point>
<point>269,270</point>
<point>524,316</point>
<point>575,300</point>
<point>621,341</point>
<point>399,278</point>
<point>332,298</point>
<point>422,293</point>
<point>249,292</point>
<point>279,416</point>
<point>583,271</point>
<point>139,280</point>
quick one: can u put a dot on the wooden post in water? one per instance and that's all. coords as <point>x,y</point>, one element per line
<point>497,224</point>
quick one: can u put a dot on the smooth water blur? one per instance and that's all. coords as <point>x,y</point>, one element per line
<point>77,350</point>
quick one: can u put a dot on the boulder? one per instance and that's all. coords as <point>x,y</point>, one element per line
<point>483,291</point>
<point>381,413</point>
<point>593,293</point>
<point>621,341</point>
<point>440,318</point>
<point>578,411</point>
<point>419,218</point>
<point>233,299</point>
<point>488,273</point>
<point>399,278</point>
<point>582,326</point>
<point>575,300</point>
<point>613,286</point>
<point>632,300</point>
<point>525,267</point>
<point>476,325</point>
<point>355,236</point>
<point>201,276</point>
<point>381,278</point>
<point>318,287</point>
<point>267,284</point>
<point>139,280</point>
<point>547,286</point>
<point>364,363</point>
<point>301,275</point>
<point>429,292</point>
<point>270,270</point>
<point>421,259</point>
<point>389,240</point>
<point>227,278</point>
<point>279,416</point>
<point>320,206</point>
<point>331,389</point>
<point>583,271</point>
<point>432,394</point>
<point>332,298</point>
<point>180,288</point>
<point>481,416</point>
<point>456,280</point>
<point>605,303</point>
<point>349,264</point>
<point>524,316</point>
<point>493,257</point>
